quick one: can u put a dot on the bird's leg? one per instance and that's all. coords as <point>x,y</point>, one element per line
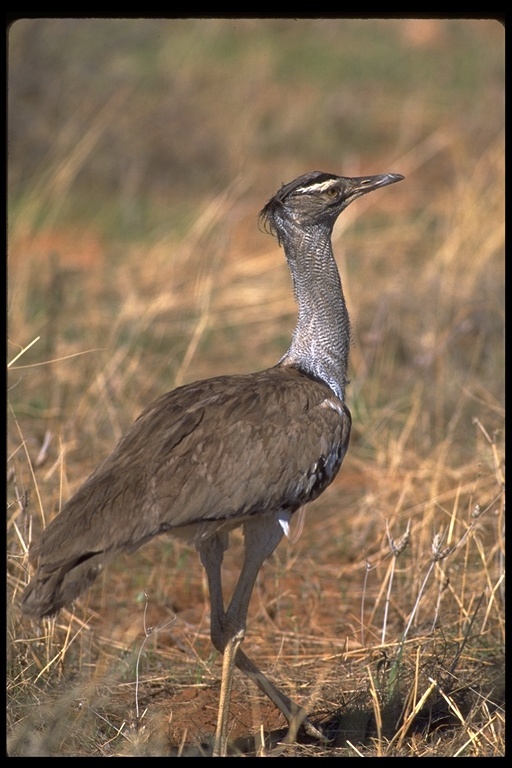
<point>227,628</point>
<point>262,535</point>
<point>211,553</point>
<point>294,714</point>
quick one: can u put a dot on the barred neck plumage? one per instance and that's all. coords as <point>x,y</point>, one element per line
<point>302,215</point>
<point>321,339</point>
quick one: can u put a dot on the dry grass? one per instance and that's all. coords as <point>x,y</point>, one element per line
<point>385,618</point>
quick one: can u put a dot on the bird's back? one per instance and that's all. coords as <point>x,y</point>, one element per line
<point>200,457</point>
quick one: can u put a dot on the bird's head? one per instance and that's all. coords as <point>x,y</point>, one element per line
<point>317,198</point>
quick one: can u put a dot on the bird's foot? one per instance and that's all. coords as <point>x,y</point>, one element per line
<point>300,722</point>
<point>312,731</point>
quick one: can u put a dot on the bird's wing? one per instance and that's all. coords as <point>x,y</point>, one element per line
<point>216,450</point>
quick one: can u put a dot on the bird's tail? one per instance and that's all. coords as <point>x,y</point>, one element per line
<point>55,585</point>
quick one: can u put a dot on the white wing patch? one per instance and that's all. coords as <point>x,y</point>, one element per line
<point>284,521</point>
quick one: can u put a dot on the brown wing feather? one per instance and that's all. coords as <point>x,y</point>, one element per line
<point>209,453</point>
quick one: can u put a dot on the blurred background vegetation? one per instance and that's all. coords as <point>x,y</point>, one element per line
<point>140,152</point>
<point>154,114</point>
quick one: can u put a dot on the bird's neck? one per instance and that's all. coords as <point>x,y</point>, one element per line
<point>321,339</point>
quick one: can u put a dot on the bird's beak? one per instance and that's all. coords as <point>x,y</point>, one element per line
<point>363,184</point>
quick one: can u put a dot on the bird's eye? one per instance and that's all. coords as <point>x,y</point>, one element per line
<point>332,192</point>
